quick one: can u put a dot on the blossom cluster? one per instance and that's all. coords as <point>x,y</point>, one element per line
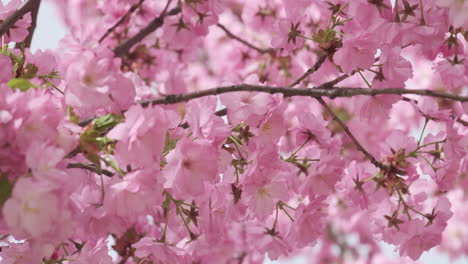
<point>233,177</point>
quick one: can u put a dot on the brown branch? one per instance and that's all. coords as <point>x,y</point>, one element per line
<point>221,112</point>
<point>246,43</point>
<point>90,167</point>
<point>130,11</point>
<point>351,136</point>
<point>461,121</point>
<point>332,83</point>
<point>123,48</point>
<point>73,153</point>
<point>314,68</point>
<point>328,86</point>
<point>32,27</point>
<point>331,92</point>
<point>17,15</point>
<point>311,92</point>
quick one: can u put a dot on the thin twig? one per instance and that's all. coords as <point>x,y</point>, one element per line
<point>246,43</point>
<point>130,11</point>
<point>314,68</point>
<point>369,156</point>
<point>329,86</point>
<point>17,15</point>
<point>123,48</point>
<point>90,167</point>
<point>73,153</point>
<point>332,83</point>
<point>311,92</point>
<point>461,121</point>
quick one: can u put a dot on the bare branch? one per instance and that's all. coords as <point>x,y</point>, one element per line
<point>130,11</point>
<point>246,43</point>
<point>311,92</point>
<point>314,68</point>
<point>32,27</point>
<point>123,48</point>
<point>17,15</point>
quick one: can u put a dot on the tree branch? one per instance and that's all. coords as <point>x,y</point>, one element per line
<point>90,167</point>
<point>123,48</point>
<point>246,43</point>
<point>314,68</point>
<point>332,92</point>
<point>369,156</point>
<point>130,11</point>
<point>32,28</point>
<point>17,15</point>
<point>333,82</point>
<point>329,86</point>
<point>461,121</point>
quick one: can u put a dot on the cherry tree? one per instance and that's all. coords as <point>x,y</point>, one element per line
<point>224,131</point>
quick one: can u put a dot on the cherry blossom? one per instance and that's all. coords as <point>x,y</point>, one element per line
<point>229,131</point>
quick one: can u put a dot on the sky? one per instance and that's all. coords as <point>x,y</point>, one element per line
<point>47,36</point>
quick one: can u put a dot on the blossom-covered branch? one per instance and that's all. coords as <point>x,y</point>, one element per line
<point>17,15</point>
<point>312,92</point>
<point>280,170</point>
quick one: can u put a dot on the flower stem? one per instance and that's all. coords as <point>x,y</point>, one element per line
<point>422,132</point>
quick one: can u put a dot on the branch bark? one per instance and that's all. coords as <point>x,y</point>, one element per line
<point>246,43</point>
<point>123,48</point>
<point>329,85</point>
<point>366,153</point>
<point>32,28</point>
<point>17,15</point>
<point>314,68</point>
<point>130,11</point>
<point>332,92</point>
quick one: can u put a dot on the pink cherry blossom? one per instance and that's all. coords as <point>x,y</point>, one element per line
<point>230,131</point>
<point>190,165</point>
<point>33,210</point>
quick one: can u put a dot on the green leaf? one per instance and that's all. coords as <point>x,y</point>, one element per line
<point>5,189</point>
<point>106,122</point>
<point>169,144</point>
<point>73,117</point>
<point>21,84</point>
